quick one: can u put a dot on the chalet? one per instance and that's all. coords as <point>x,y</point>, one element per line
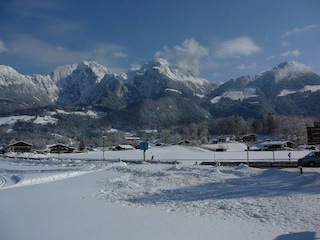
<point>123,147</point>
<point>223,139</point>
<point>20,146</point>
<point>277,145</point>
<point>249,137</point>
<point>60,148</point>
<point>226,138</point>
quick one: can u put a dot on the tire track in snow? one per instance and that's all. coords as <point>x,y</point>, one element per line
<point>3,181</point>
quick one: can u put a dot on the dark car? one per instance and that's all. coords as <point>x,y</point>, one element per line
<point>310,160</point>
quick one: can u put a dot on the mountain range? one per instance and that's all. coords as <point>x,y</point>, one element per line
<point>158,95</point>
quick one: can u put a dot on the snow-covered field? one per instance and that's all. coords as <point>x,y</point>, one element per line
<point>77,199</point>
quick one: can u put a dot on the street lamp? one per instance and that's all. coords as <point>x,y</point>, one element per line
<point>103,139</point>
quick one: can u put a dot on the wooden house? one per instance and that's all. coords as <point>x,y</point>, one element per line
<point>250,137</point>
<point>60,148</point>
<point>123,147</point>
<point>277,145</point>
<point>19,146</point>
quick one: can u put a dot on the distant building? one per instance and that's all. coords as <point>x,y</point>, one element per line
<point>251,137</point>
<point>184,142</point>
<point>132,138</point>
<point>277,145</point>
<point>60,148</point>
<point>123,147</point>
<point>19,146</point>
<point>225,138</point>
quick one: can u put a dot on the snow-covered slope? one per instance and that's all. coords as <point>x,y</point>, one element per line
<point>38,85</point>
<point>237,94</point>
<point>280,90</point>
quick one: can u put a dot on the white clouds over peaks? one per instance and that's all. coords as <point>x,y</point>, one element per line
<point>185,57</point>
<point>291,68</point>
<point>241,46</point>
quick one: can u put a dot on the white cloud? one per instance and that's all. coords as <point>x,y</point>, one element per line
<point>290,69</point>
<point>293,53</point>
<point>270,57</point>
<point>120,55</point>
<point>295,31</point>
<point>248,66</point>
<point>38,51</point>
<point>298,30</point>
<point>241,46</point>
<point>2,47</point>
<point>185,57</point>
<point>135,66</point>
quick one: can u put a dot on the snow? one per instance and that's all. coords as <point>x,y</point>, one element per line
<point>13,119</point>
<point>66,197</point>
<point>88,113</point>
<point>236,95</point>
<point>173,90</point>
<point>307,88</point>
<point>26,118</point>
<point>43,120</point>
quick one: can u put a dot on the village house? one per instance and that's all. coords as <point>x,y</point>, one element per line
<point>123,147</point>
<point>251,137</point>
<point>19,146</point>
<point>277,145</point>
<point>60,148</point>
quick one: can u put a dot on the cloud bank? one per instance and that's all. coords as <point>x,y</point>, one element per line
<point>290,69</point>
<point>241,46</point>
<point>185,57</point>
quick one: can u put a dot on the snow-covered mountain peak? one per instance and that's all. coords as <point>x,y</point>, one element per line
<point>164,67</point>
<point>85,68</point>
<point>97,69</point>
<point>63,71</point>
<point>7,71</point>
<point>8,76</point>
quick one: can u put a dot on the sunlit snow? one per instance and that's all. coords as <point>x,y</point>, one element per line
<point>78,196</point>
<point>236,95</point>
<point>307,88</point>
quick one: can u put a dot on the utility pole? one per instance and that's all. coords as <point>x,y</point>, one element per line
<point>103,142</point>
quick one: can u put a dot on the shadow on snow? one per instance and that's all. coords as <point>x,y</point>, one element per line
<point>270,183</point>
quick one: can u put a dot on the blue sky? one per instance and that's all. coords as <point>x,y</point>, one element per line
<point>217,40</point>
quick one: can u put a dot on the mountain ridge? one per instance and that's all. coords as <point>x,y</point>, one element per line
<point>90,84</point>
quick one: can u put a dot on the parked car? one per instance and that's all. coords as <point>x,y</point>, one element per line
<point>312,159</point>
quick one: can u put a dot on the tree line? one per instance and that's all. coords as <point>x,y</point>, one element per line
<point>81,132</point>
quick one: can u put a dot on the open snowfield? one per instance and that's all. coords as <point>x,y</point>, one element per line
<point>77,199</point>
